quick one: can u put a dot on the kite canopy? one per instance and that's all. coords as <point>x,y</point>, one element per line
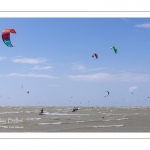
<point>108,92</point>
<point>95,55</point>
<point>28,92</point>
<point>6,36</point>
<point>115,49</point>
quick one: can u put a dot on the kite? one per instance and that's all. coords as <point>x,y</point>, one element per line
<point>95,54</point>
<point>6,36</point>
<point>114,48</point>
<point>108,92</point>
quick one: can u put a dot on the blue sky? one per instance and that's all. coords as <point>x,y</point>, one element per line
<point>51,59</point>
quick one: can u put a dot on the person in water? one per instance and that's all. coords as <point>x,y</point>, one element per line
<point>74,109</point>
<point>42,111</point>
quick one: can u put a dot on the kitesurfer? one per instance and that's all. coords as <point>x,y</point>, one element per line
<point>74,109</point>
<point>42,111</point>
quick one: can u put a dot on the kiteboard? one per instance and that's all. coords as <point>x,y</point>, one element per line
<point>41,114</point>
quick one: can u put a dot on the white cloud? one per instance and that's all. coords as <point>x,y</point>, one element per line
<point>54,85</point>
<point>145,25</point>
<point>95,69</point>
<point>31,75</point>
<point>78,67</point>
<point>42,68</point>
<point>91,77</point>
<point>131,89</point>
<point>29,60</point>
<point>123,77</point>
<point>2,58</point>
<point>125,19</point>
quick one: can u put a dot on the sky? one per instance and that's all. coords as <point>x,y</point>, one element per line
<point>52,59</point>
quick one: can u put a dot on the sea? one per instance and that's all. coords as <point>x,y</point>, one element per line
<point>85,119</point>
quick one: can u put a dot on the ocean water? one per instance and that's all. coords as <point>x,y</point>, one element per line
<point>86,119</point>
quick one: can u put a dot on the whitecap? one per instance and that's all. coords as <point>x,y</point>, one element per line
<point>64,114</point>
<point>12,112</point>
<point>80,121</point>
<point>33,118</point>
<point>3,126</point>
<point>50,123</point>
<point>122,119</point>
<point>107,126</point>
<point>29,111</point>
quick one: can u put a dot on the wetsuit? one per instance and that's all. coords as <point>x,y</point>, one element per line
<point>42,111</point>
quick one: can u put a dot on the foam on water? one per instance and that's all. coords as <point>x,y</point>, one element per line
<point>12,112</point>
<point>80,121</point>
<point>2,121</point>
<point>135,113</point>
<point>33,118</point>
<point>116,119</point>
<point>3,126</point>
<point>107,126</point>
<point>30,111</point>
<point>50,123</point>
<point>117,114</point>
<point>122,119</point>
<point>64,114</point>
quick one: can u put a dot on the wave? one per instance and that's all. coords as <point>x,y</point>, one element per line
<point>50,123</point>
<point>70,122</point>
<point>116,119</point>
<point>61,114</point>
<point>135,113</point>
<point>122,119</point>
<point>30,111</point>
<point>2,121</point>
<point>12,112</point>
<point>80,121</point>
<point>33,118</point>
<point>117,114</point>
<point>107,126</point>
<point>3,126</point>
